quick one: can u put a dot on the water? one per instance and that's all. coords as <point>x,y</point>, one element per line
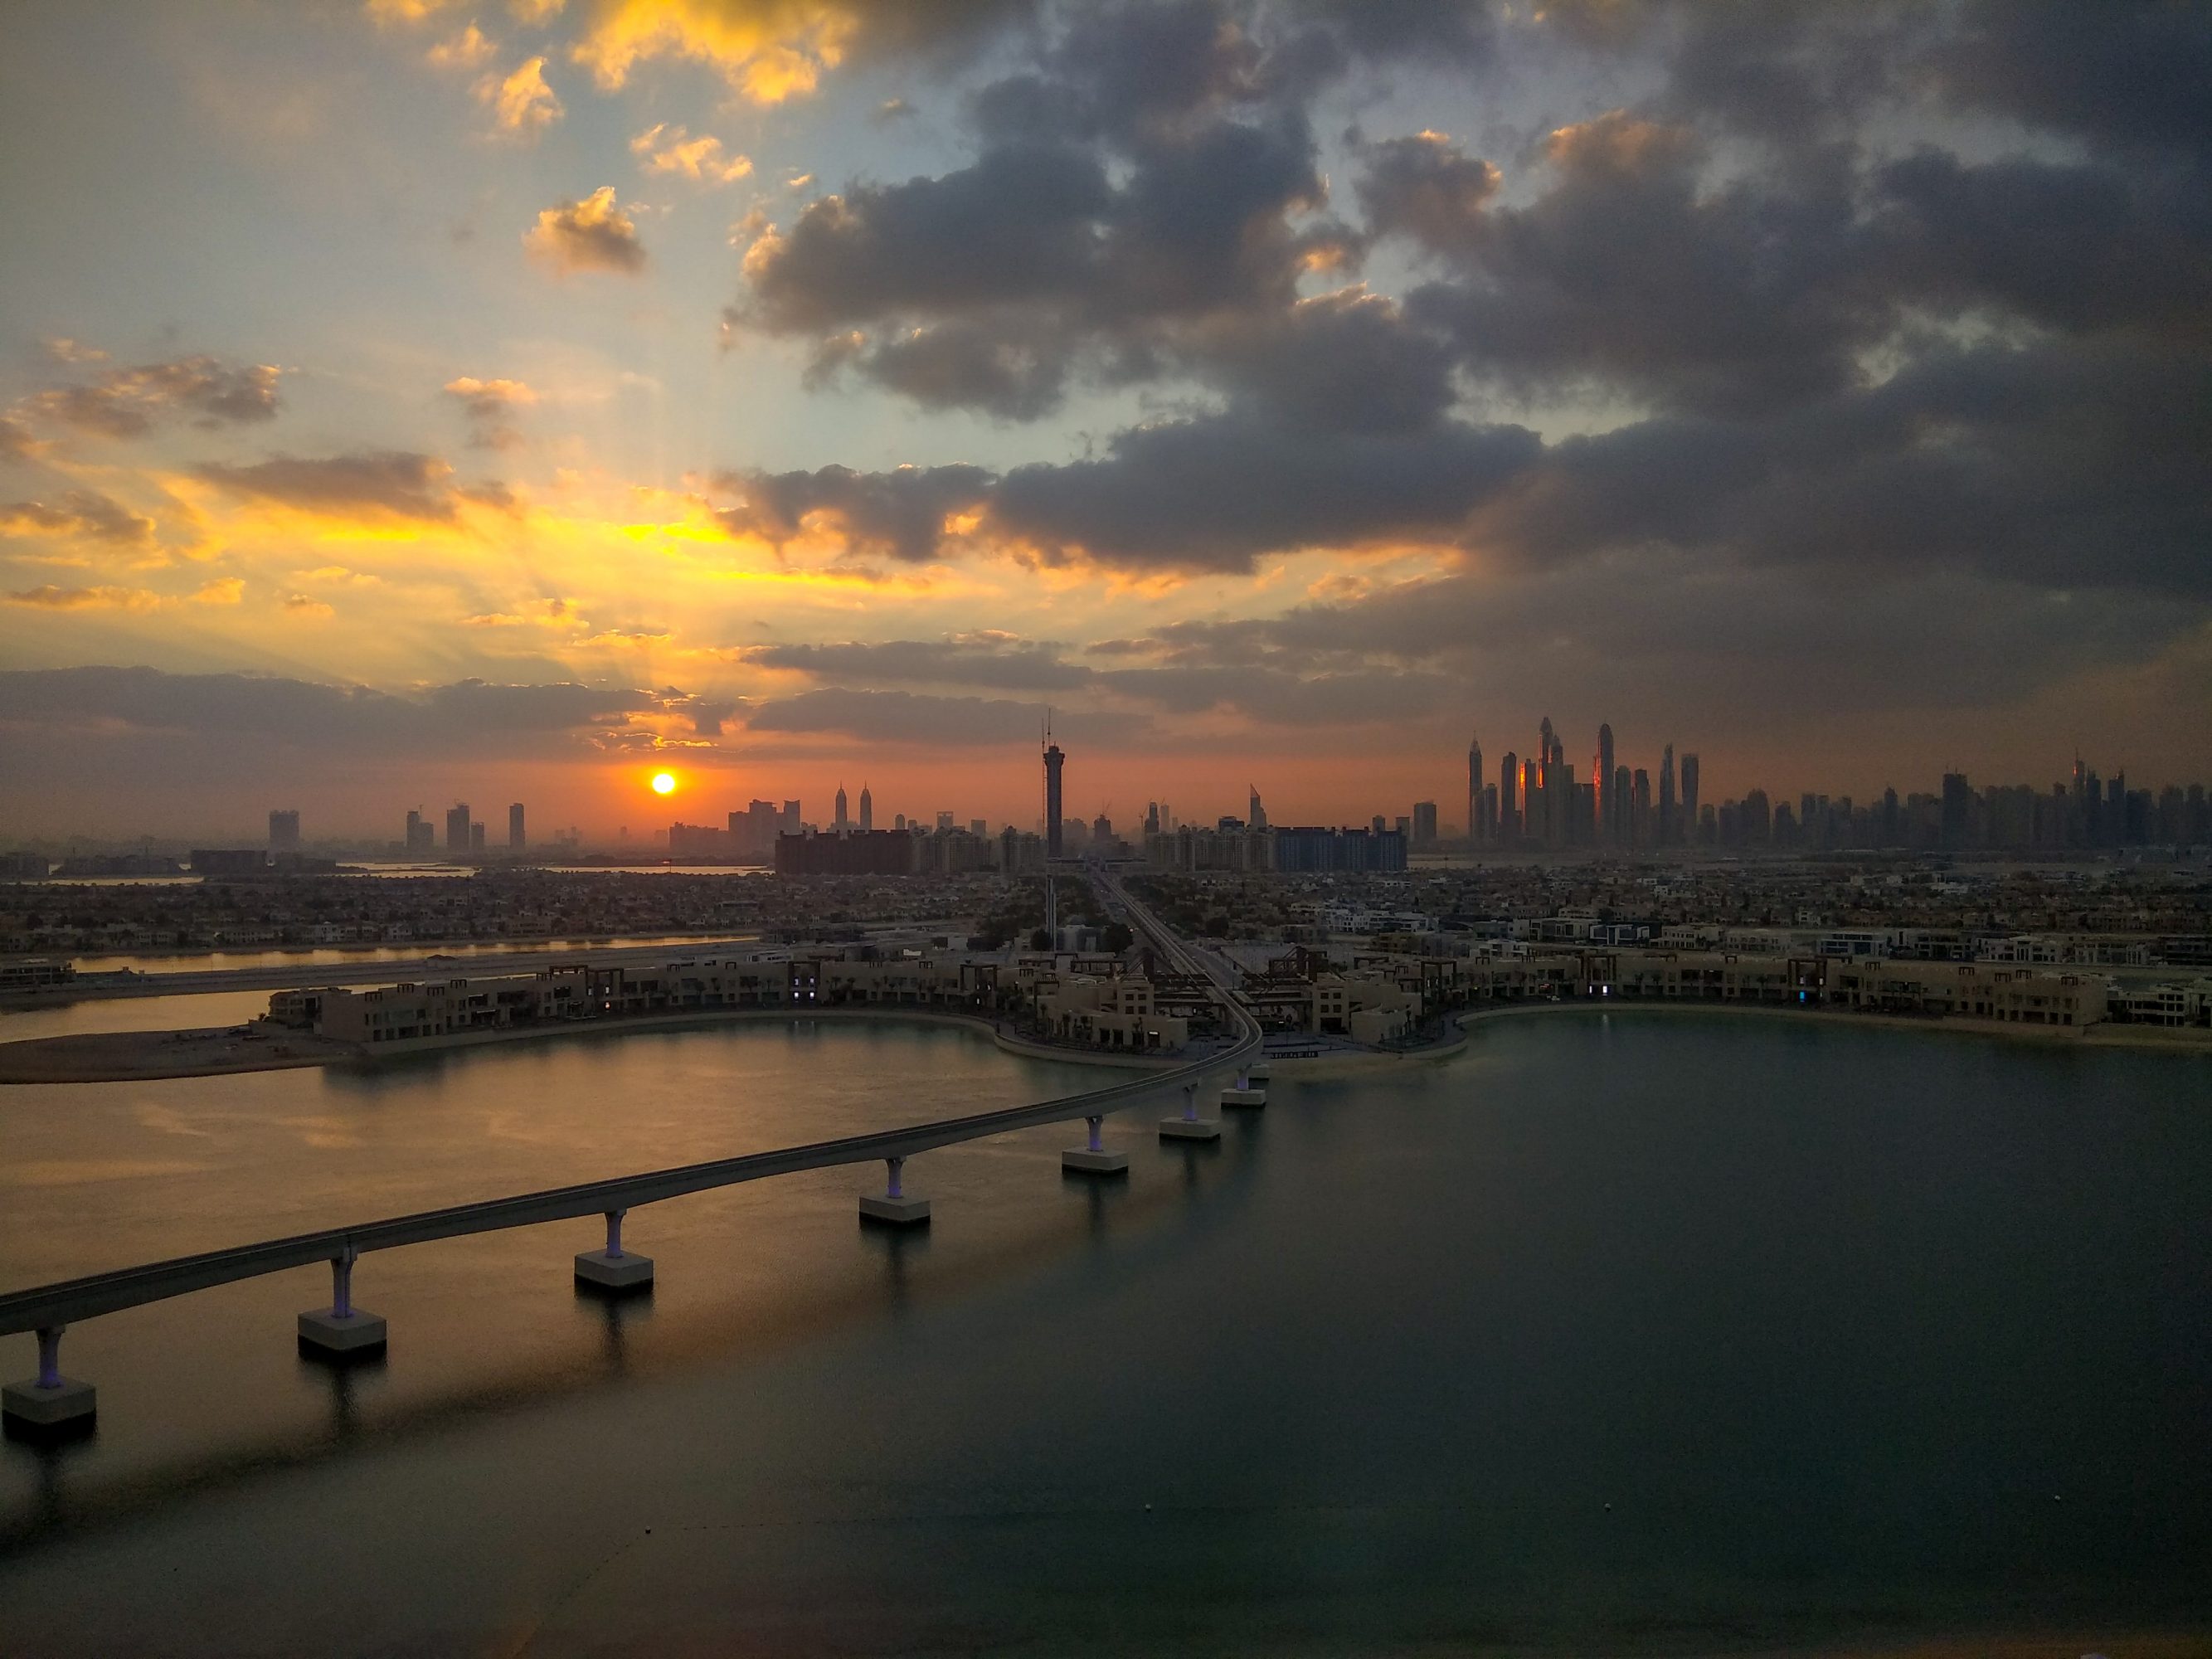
<point>1642,1334</point>
<point>176,962</point>
<point>184,1012</point>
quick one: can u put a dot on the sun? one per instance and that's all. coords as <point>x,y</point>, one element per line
<point>663,783</point>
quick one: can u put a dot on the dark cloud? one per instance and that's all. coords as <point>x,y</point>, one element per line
<point>1348,361</point>
<point>80,513</point>
<point>129,402</point>
<point>898,515</point>
<point>593,234</point>
<point>355,719</point>
<point>1701,638</point>
<point>921,721</point>
<point>1268,695</point>
<point>1143,175</point>
<point>1629,275</point>
<point>2056,466</point>
<point>1273,696</point>
<point>963,364</point>
<point>2125,72</point>
<point>1018,226</point>
<point>2080,247</point>
<point>1217,492</point>
<point>1427,188</point>
<point>997,661</point>
<point>399,483</point>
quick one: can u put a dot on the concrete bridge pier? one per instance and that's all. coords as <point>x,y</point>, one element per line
<point>50,1404</point>
<point>614,1268</point>
<point>1246,1096</point>
<point>1092,1158</point>
<point>1256,1075</point>
<point>1190,1126</point>
<point>895,1208</point>
<point>341,1331</point>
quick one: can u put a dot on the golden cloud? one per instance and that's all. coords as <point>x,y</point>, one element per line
<point>50,597</point>
<point>224,590</point>
<point>593,234</point>
<point>470,49</point>
<point>664,149</point>
<point>766,50</point>
<point>404,11</point>
<point>79,515</point>
<point>521,103</point>
<point>127,402</point>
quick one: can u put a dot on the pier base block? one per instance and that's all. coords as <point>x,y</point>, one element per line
<point>1082,1161</point>
<point>63,1409</point>
<point>894,1211</point>
<point>1244,1099</point>
<point>341,1337</point>
<point>1190,1128</point>
<point>596,1270</point>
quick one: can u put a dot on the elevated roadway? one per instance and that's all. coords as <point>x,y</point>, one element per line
<point>50,1400</point>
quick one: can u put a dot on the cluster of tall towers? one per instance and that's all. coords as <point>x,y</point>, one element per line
<point>1540,802</point>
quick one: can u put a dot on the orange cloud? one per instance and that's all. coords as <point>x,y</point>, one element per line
<point>1617,141</point>
<point>664,149</point>
<point>81,513</point>
<point>593,234</point>
<point>766,50</point>
<point>224,590</point>
<point>521,103</point>
<point>470,49</point>
<point>50,597</point>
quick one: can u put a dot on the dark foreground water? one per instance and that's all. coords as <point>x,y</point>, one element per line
<point>1639,1334</point>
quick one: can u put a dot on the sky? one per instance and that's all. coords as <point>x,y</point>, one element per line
<point>427,400</point>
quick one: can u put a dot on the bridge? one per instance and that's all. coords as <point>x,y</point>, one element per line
<point>51,1403</point>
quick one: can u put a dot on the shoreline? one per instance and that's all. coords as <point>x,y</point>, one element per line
<point>231,1050</point>
<point>2104,1035</point>
<point>527,956</point>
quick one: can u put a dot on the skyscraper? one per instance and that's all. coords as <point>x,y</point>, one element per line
<point>284,830</point>
<point>1477,830</point>
<point>1667,796</point>
<point>457,828</point>
<point>1689,796</point>
<point>516,839</point>
<point>1958,810</point>
<point>1424,824</point>
<point>867,810</point>
<point>1509,798</point>
<point>1257,817</point>
<point>1607,808</point>
<point>1053,760</point>
<point>841,823</point>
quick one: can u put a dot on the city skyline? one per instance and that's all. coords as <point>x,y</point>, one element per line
<point>1519,807</point>
<point>403,401</point>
